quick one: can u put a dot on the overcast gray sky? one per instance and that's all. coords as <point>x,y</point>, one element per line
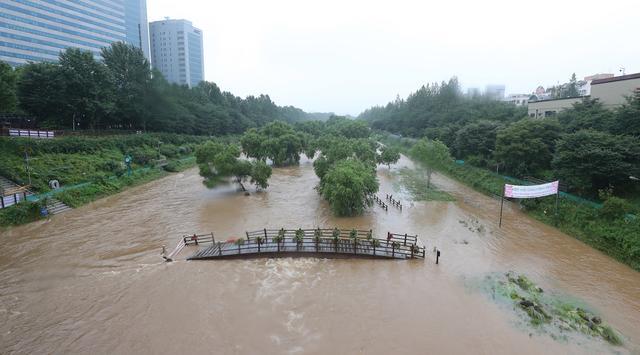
<point>345,56</point>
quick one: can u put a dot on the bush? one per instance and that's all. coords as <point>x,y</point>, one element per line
<point>172,167</point>
<point>615,208</point>
<point>169,150</point>
<point>23,212</point>
<point>144,155</point>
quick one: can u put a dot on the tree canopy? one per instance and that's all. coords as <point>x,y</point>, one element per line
<point>348,187</point>
<point>122,92</point>
<point>217,161</point>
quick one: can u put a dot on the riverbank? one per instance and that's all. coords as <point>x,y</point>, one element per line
<point>88,168</point>
<point>606,229</point>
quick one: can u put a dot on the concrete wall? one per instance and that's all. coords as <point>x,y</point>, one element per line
<point>548,108</point>
<point>612,94</point>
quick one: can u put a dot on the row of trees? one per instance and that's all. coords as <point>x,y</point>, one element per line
<point>588,147</point>
<point>346,164</point>
<point>122,92</point>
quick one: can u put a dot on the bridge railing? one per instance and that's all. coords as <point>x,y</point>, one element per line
<point>315,241</point>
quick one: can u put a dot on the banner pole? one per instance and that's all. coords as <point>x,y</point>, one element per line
<point>501,204</point>
<point>557,200</point>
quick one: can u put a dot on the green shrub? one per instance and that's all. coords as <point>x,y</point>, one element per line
<point>23,212</point>
<point>615,207</point>
<point>169,150</point>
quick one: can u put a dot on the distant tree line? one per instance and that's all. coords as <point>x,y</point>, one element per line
<point>588,147</point>
<point>122,92</point>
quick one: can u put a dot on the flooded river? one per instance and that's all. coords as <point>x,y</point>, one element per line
<point>92,280</point>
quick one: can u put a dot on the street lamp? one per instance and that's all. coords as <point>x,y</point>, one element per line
<point>634,178</point>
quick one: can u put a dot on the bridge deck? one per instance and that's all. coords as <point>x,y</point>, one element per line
<point>319,242</point>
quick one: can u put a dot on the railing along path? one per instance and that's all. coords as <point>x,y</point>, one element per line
<point>324,242</point>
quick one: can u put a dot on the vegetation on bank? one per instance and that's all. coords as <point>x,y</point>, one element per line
<point>548,312</point>
<point>609,229</point>
<point>88,168</point>
<point>587,147</point>
<point>121,92</point>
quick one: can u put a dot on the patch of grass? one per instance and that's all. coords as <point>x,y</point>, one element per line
<point>415,181</point>
<point>89,167</point>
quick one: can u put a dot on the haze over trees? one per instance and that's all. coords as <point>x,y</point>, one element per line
<point>493,134</point>
<point>122,92</point>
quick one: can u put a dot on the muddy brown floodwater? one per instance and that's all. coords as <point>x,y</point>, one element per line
<point>92,281</point>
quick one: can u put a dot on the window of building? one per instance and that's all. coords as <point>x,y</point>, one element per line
<point>549,113</point>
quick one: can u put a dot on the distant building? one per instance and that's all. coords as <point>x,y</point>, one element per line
<point>610,91</point>
<point>585,85</point>
<point>550,107</point>
<point>473,92</point>
<point>177,52</point>
<point>518,99</point>
<point>36,31</point>
<point>495,92</point>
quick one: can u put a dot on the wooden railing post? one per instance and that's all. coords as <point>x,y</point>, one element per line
<point>265,234</point>
<point>405,239</point>
<point>213,239</point>
<point>247,233</point>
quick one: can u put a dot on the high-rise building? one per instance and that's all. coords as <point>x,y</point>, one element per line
<point>176,51</point>
<point>37,31</point>
<point>495,92</point>
<point>136,25</point>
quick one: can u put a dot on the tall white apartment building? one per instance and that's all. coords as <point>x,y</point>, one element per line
<point>176,51</point>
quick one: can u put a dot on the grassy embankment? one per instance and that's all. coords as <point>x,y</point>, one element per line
<point>608,229</point>
<point>88,167</point>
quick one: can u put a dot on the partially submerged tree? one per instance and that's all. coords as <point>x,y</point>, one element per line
<point>348,187</point>
<point>388,155</point>
<point>218,161</point>
<point>277,141</point>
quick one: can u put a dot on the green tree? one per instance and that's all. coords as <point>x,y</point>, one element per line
<point>587,114</point>
<point>217,161</point>
<point>348,187</point>
<point>277,141</point>
<point>131,73</point>
<point>88,94</point>
<point>260,174</point>
<point>572,87</point>
<point>477,140</point>
<point>627,117</point>
<point>41,93</point>
<point>527,146</point>
<point>389,155</point>
<point>8,81</point>
<point>589,160</point>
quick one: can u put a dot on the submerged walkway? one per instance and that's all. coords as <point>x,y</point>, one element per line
<point>292,242</point>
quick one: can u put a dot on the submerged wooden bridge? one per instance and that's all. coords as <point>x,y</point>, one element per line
<point>298,242</point>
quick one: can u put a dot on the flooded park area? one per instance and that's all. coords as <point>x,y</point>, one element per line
<point>92,279</point>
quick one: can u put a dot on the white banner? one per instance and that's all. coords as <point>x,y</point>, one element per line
<point>531,191</point>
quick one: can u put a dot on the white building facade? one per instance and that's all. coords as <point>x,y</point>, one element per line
<point>177,51</point>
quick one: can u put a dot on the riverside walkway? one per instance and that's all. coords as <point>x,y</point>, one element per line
<point>329,243</point>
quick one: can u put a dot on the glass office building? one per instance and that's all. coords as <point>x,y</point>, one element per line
<point>37,30</point>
